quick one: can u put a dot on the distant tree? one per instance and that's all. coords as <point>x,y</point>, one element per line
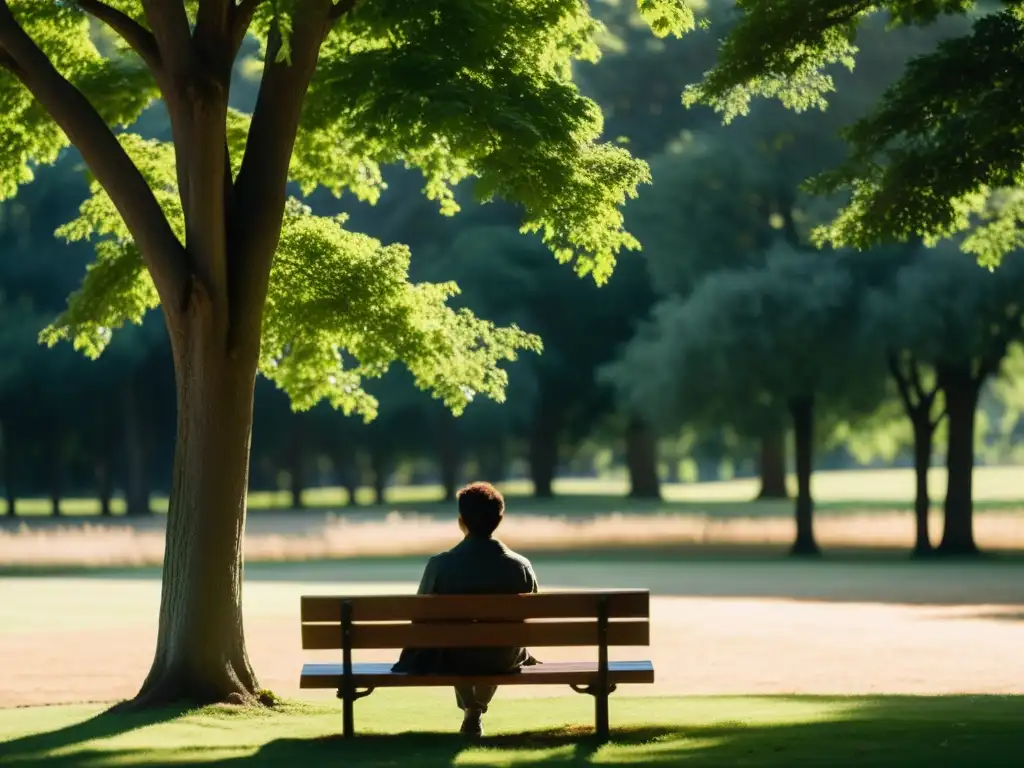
<point>724,195</point>
<point>202,226</point>
<point>582,326</point>
<point>960,322</point>
<point>752,349</point>
<point>936,153</point>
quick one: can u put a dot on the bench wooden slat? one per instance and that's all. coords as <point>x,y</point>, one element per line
<point>622,604</point>
<point>475,635</point>
<point>379,675</point>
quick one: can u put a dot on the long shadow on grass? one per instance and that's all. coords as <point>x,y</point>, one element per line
<point>897,732</point>
<point>105,725</point>
<point>888,732</point>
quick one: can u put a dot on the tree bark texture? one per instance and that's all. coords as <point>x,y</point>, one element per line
<point>642,460</point>
<point>802,412</point>
<point>201,655</point>
<point>772,466</point>
<point>961,389</point>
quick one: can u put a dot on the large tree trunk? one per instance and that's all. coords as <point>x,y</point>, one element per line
<point>961,391</point>
<point>802,412</point>
<point>923,431</point>
<point>772,466</point>
<point>543,455</point>
<point>201,655</point>
<point>136,487</point>
<point>642,461</point>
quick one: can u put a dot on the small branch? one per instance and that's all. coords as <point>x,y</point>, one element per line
<point>915,379</point>
<point>138,37</point>
<point>896,370</point>
<point>103,154</point>
<point>938,419</point>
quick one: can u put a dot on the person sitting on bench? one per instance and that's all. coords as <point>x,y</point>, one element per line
<point>479,564</point>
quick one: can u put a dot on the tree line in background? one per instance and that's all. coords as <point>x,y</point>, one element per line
<point>730,339</point>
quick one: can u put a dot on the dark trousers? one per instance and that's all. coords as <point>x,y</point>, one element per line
<point>474,697</point>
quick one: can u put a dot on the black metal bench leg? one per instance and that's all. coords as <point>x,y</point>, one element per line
<point>348,727</point>
<point>601,712</point>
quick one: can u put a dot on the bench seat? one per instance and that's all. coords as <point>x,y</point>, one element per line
<point>379,675</point>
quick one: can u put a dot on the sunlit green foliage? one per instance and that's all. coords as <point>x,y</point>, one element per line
<point>458,89</point>
<point>939,151</point>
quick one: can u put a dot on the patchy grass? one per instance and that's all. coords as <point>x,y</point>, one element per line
<point>418,729</point>
<point>994,487</point>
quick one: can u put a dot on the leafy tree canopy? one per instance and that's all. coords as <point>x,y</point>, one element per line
<point>938,154</point>
<point>456,89</point>
<point>747,342</point>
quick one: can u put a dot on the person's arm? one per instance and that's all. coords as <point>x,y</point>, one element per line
<point>531,578</point>
<point>412,660</point>
<point>428,584</point>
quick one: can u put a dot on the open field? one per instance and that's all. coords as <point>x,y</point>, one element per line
<point>718,626</point>
<point>403,729</point>
<point>697,517</point>
<point>863,488</point>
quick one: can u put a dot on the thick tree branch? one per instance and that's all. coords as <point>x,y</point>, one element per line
<point>241,20</point>
<point>214,32</point>
<point>7,62</point>
<point>103,154</point>
<point>902,383</point>
<point>261,184</point>
<point>170,27</point>
<point>138,37</point>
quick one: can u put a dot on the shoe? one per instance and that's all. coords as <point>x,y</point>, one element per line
<point>472,725</point>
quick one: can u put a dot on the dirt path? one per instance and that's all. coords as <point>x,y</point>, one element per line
<point>89,639</point>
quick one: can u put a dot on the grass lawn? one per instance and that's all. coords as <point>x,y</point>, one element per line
<point>860,489</point>
<point>417,729</point>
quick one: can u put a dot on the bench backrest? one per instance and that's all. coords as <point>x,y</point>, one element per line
<point>620,617</point>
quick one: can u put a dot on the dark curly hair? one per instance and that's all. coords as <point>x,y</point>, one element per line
<point>481,507</point>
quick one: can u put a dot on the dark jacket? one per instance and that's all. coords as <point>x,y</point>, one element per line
<point>475,566</point>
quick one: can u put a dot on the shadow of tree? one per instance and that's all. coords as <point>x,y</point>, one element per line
<point>107,724</point>
<point>885,732</point>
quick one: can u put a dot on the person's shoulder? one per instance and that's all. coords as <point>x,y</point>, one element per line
<point>513,555</point>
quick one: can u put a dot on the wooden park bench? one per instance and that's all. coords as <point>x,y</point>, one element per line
<point>551,619</point>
